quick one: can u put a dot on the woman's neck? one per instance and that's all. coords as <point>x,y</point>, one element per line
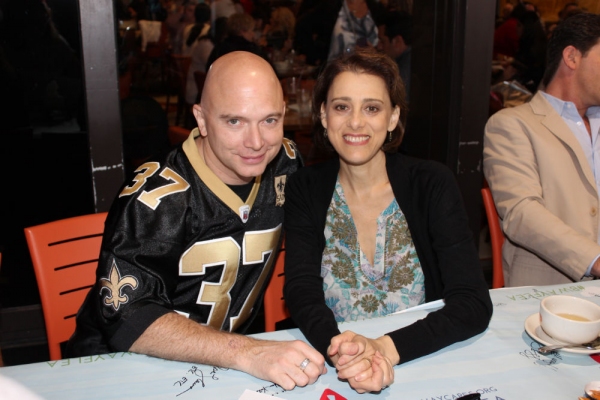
<point>363,179</point>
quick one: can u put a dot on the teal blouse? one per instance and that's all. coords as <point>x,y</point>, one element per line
<point>355,289</point>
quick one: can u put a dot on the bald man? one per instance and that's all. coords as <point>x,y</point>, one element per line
<point>191,240</point>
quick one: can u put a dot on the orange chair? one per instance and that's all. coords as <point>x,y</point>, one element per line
<point>65,256</point>
<point>274,304</point>
<point>496,237</point>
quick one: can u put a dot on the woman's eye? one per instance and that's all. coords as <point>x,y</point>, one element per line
<point>341,107</point>
<point>372,109</point>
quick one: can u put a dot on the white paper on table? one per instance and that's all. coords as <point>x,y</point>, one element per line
<point>250,395</point>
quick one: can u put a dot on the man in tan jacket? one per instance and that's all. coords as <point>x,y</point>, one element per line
<point>542,162</point>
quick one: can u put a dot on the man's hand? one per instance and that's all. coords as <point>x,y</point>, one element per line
<point>280,363</point>
<point>175,337</point>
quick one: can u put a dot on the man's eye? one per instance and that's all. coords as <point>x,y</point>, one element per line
<point>234,121</point>
<point>271,120</point>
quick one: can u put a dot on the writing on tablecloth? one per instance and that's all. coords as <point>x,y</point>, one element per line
<point>487,393</point>
<point>194,377</point>
<point>197,378</point>
<point>549,360</point>
<point>271,389</point>
<point>87,360</point>
<point>538,294</point>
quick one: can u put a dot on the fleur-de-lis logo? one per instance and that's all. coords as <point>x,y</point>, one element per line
<point>114,285</point>
<point>280,190</point>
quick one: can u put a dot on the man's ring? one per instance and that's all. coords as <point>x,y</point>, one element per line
<point>304,363</point>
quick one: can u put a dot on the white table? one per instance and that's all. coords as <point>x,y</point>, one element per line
<point>501,363</point>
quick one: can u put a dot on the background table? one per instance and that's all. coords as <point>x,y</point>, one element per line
<point>501,363</point>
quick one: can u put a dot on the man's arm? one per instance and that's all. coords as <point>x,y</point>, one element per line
<point>175,337</point>
<point>512,168</point>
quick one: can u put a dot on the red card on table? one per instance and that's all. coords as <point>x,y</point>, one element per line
<point>329,394</point>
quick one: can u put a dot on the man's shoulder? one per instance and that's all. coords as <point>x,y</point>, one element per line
<point>538,105</point>
<point>156,180</point>
<point>287,161</point>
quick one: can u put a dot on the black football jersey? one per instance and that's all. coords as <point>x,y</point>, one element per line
<point>178,239</point>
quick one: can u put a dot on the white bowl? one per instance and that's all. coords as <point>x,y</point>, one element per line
<point>592,389</point>
<point>570,319</point>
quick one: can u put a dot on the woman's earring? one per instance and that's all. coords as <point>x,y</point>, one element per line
<point>389,136</point>
<point>325,133</point>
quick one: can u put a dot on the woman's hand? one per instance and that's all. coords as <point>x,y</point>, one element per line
<point>366,363</point>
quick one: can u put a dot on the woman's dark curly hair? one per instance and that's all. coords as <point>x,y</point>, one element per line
<point>363,60</point>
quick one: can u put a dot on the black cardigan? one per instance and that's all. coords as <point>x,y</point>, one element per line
<point>428,196</point>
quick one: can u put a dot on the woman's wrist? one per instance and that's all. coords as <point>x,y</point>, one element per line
<point>388,349</point>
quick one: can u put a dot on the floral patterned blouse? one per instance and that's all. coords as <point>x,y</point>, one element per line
<point>355,289</point>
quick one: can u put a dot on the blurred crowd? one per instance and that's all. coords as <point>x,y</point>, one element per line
<point>313,29</point>
<point>305,32</point>
<point>520,41</point>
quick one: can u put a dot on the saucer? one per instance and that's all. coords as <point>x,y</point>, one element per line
<point>592,388</point>
<point>533,329</point>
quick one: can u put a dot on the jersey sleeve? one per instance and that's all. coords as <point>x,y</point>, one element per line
<point>144,238</point>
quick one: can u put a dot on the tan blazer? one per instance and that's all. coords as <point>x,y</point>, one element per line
<point>545,193</point>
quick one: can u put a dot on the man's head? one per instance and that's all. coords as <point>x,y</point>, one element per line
<point>568,10</point>
<point>189,9</point>
<point>202,13</point>
<point>580,32</point>
<point>395,35</point>
<point>240,117</point>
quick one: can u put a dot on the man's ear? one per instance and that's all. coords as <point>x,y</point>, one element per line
<point>571,57</point>
<point>199,115</point>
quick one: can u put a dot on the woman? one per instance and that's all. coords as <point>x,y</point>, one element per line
<point>373,232</point>
<point>199,30</point>
<point>279,32</point>
<point>180,17</point>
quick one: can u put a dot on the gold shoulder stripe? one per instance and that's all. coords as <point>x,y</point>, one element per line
<point>216,185</point>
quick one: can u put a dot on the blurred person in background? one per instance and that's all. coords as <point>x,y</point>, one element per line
<point>198,46</point>
<point>278,34</point>
<point>240,37</point>
<point>355,26</point>
<point>180,17</point>
<point>200,28</point>
<point>395,39</point>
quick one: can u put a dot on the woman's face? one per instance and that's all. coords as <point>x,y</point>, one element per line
<point>358,115</point>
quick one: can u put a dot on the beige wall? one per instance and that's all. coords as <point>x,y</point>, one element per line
<point>549,8</point>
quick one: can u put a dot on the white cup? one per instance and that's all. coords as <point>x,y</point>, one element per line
<point>570,319</point>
